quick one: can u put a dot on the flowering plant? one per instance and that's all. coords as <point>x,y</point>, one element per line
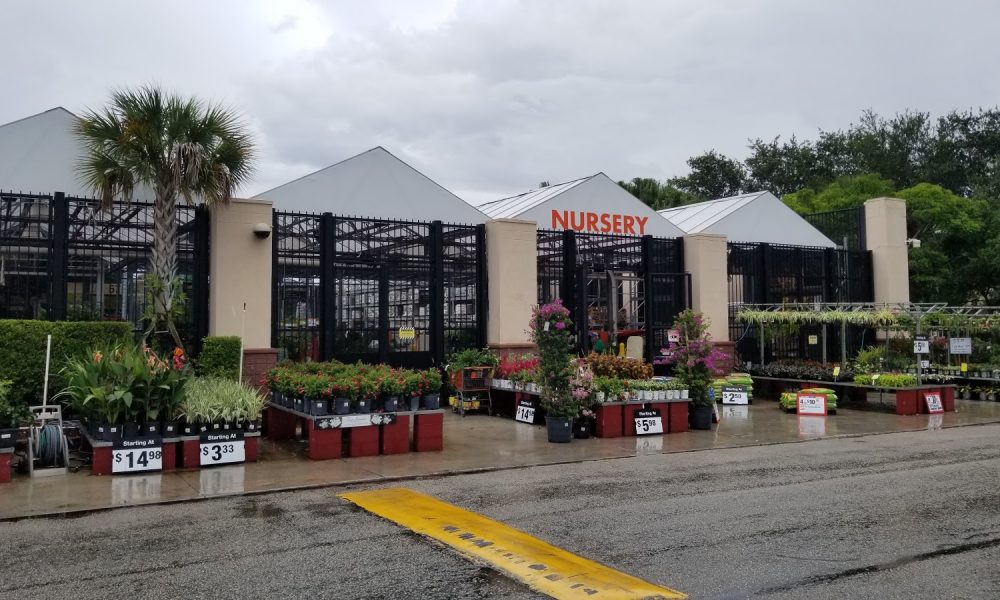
<point>551,331</point>
<point>582,382</point>
<point>694,358</point>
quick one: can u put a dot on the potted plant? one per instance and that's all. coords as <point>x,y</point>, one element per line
<point>12,416</point>
<point>583,425</point>
<point>551,332</point>
<point>432,391</point>
<point>694,360</point>
<point>391,387</point>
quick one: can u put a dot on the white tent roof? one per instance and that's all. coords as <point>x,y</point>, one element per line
<point>596,194</point>
<point>373,184</point>
<point>756,217</point>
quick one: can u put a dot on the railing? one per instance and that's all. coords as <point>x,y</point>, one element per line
<point>845,227</point>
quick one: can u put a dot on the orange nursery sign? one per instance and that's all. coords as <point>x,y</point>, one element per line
<point>598,222</point>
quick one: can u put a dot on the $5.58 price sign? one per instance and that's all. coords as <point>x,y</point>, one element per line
<point>648,422</point>
<point>222,448</point>
<point>525,412</point>
<point>137,455</point>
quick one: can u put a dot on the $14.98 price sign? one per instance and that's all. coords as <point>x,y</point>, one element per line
<point>137,455</point>
<point>525,412</point>
<point>648,421</point>
<point>222,448</point>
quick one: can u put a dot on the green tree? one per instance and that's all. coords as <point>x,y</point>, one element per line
<point>657,195</point>
<point>179,148</point>
<point>712,176</point>
<point>846,192</point>
<point>785,167</point>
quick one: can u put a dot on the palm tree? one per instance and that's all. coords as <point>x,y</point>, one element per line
<point>177,147</point>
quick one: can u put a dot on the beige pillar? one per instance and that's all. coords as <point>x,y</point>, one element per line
<point>705,259</point>
<point>885,233</point>
<point>240,272</point>
<point>512,273</point>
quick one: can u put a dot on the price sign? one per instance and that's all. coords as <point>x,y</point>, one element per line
<point>811,404</point>
<point>921,345</point>
<point>222,448</point>
<point>925,364</point>
<point>965,367</point>
<point>673,335</point>
<point>934,405</point>
<point>813,340</point>
<point>525,412</point>
<point>137,455</point>
<point>836,371</point>
<point>407,333</point>
<point>960,345</point>
<point>648,421</point>
<point>735,394</point>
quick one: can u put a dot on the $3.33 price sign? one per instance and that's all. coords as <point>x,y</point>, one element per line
<point>525,412</point>
<point>137,455</point>
<point>222,448</point>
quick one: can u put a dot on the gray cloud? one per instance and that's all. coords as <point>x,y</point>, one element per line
<point>491,97</point>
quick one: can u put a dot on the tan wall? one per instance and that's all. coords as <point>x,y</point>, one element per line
<point>240,271</point>
<point>885,232</point>
<point>512,273</point>
<point>705,259</point>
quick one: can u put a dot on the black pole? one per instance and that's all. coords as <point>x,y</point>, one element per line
<point>482,286</point>
<point>275,279</point>
<point>647,290</point>
<point>199,285</point>
<point>60,257</point>
<point>327,286</point>
<point>437,293</point>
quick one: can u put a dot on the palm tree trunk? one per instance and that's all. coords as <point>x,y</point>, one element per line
<point>164,263</point>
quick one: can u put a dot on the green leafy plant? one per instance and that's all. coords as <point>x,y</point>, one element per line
<point>220,357</point>
<point>212,399</point>
<point>473,357</point>
<point>11,415</point>
<point>694,358</point>
<point>551,331</point>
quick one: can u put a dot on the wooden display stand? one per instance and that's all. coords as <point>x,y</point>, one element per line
<point>5,455</point>
<point>608,418</point>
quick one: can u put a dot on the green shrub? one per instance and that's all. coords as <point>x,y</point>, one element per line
<point>220,357</point>
<point>22,351</point>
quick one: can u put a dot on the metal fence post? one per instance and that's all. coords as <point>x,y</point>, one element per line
<point>437,292</point>
<point>275,278</point>
<point>199,283</point>
<point>59,263</point>
<point>648,300</point>
<point>482,285</point>
<point>327,289</point>
<point>569,272</point>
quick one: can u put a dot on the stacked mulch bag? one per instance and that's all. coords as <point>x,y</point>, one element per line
<point>789,402</point>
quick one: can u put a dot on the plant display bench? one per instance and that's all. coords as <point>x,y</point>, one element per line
<point>909,400</point>
<point>673,413</point>
<point>369,434</point>
<point>127,455</point>
<point>218,447</point>
<point>5,455</point>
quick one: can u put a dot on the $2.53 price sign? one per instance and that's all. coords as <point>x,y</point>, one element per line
<point>648,421</point>
<point>735,394</point>
<point>137,455</point>
<point>222,448</point>
<point>525,412</point>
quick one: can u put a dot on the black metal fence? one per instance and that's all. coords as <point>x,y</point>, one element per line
<point>762,273</point>
<point>845,227</point>
<point>66,258</point>
<point>615,286</point>
<point>403,293</point>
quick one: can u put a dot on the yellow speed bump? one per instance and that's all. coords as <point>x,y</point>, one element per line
<point>543,567</point>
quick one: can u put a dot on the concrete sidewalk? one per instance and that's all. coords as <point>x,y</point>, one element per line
<point>474,443</point>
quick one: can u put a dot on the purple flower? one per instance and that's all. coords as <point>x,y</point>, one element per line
<point>560,325</point>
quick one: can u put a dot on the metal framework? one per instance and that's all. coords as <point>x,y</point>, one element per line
<point>614,285</point>
<point>65,258</point>
<point>845,227</point>
<point>402,292</point>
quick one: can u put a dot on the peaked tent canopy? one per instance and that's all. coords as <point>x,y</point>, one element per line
<point>756,217</point>
<point>373,184</point>
<point>594,204</point>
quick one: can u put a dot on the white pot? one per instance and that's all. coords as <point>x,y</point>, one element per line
<point>599,396</point>
<point>646,395</point>
<point>684,394</point>
<point>661,395</point>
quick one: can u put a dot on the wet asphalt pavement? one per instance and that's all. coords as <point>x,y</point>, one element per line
<point>910,515</point>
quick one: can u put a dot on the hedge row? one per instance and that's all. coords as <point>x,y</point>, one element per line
<point>22,351</point>
<point>220,357</point>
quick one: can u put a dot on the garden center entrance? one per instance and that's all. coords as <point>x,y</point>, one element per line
<point>614,286</point>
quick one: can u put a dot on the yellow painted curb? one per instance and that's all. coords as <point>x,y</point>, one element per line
<point>542,566</point>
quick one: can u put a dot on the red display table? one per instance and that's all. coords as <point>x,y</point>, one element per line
<point>608,418</point>
<point>5,456</point>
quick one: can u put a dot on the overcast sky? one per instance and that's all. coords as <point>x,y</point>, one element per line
<point>490,97</point>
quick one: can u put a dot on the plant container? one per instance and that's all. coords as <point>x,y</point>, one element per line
<point>560,429</point>
<point>277,398</point>
<point>414,403</point>
<point>341,406</point>
<point>132,430</point>
<point>582,429</point>
<point>151,428</point>
<point>432,401</point>
<point>169,429</point>
<point>318,407</point>
<point>8,437</point>
<point>701,416</point>
<point>391,404</point>
<point>684,394</point>
<point>364,406</point>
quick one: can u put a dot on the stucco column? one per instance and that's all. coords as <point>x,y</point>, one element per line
<point>512,273</point>
<point>705,258</point>
<point>240,272</point>
<point>885,236</point>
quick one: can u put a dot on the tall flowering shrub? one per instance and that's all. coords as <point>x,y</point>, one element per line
<point>551,330</point>
<point>694,358</point>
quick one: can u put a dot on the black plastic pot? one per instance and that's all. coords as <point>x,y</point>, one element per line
<point>391,404</point>
<point>341,406</point>
<point>250,426</point>
<point>8,437</point>
<point>432,401</point>
<point>701,416</point>
<point>132,430</point>
<point>318,406</point>
<point>150,428</point>
<point>560,429</point>
<point>169,429</point>
<point>581,429</point>
<point>299,404</point>
<point>277,398</point>
<point>188,429</point>
<point>363,406</point>
<point>414,403</point>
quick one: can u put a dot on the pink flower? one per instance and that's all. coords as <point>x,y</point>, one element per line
<point>560,325</point>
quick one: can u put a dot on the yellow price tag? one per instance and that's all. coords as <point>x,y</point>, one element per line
<point>965,367</point>
<point>836,371</point>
